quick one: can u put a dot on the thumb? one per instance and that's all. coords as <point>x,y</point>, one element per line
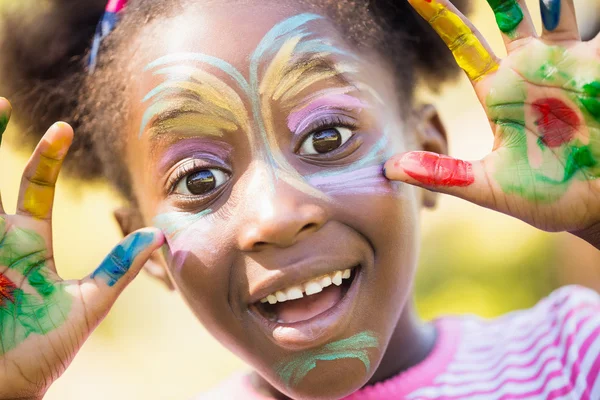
<point>443,174</point>
<point>101,288</point>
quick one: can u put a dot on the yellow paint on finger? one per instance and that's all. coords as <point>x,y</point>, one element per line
<point>470,54</point>
<point>39,193</point>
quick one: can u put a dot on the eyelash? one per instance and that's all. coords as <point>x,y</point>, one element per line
<point>186,170</point>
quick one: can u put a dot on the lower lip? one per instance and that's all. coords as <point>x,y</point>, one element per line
<point>317,330</point>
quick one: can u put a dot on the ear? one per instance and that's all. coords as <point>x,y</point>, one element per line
<point>431,136</point>
<point>130,220</point>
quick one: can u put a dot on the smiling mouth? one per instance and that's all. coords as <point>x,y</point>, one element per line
<point>307,300</point>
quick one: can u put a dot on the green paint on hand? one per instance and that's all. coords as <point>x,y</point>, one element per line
<point>293,370</point>
<point>578,158</point>
<point>3,124</point>
<point>508,14</point>
<point>591,100</point>
<point>512,96</point>
<point>27,311</point>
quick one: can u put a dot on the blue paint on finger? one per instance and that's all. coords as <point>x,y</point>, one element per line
<point>118,262</point>
<point>550,13</point>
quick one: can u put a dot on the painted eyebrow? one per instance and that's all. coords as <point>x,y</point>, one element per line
<point>299,76</point>
<point>190,98</point>
<point>191,116</point>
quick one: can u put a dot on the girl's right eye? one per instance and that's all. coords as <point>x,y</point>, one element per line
<point>202,182</point>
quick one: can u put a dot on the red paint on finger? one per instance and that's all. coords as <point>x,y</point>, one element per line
<point>556,121</point>
<point>7,288</point>
<point>433,169</point>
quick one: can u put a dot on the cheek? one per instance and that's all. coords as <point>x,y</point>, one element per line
<point>200,260</point>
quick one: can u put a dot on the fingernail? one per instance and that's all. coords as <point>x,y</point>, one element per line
<point>550,13</point>
<point>119,261</point>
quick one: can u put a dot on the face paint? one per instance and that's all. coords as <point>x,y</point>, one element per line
<point>508,15</point>
<point>557,122</point>
<point>284,79</point>
<point>118,262</point>
<point>437,170</point>
<point>550,13</point>
<point>469,52</point>
<point>37,310</point>
<point>173,223</point>
<point>300,119</point>
<point>294,370</point>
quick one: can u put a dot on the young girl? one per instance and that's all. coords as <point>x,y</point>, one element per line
<point>275,150</point>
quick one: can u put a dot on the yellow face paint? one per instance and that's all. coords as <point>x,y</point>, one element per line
<point>469,52</point>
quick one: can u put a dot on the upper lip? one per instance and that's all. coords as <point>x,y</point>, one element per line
<point>297,274</point>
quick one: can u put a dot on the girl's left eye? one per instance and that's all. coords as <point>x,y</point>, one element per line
<point>325,141</point>
<point>201,182</point>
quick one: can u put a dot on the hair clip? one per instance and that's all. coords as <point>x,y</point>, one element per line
<point>107,24</point>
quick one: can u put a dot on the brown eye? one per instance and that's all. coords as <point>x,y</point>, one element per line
<point>325,141</point>
<point>201,182</point>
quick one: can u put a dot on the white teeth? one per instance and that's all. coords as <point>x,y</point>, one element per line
<point>325,281</point>
<point>311,287</point>
<point>294,293</point>
<point>281,297</point>
<point>337,278</point>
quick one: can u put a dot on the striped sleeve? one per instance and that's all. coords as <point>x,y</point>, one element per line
<point>551,351</point>
<point>578,314</point>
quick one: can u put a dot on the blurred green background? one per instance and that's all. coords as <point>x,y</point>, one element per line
<point>473,261</point>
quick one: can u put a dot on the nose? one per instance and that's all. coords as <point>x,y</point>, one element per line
<point>280,216</point>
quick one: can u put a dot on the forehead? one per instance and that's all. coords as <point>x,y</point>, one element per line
<point>229,31</point>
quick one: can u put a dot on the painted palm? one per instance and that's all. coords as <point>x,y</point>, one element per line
<point>44,320</point>
<point>543,103</point>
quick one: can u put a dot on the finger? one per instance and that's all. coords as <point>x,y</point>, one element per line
<point>513,19</point>
<point>469,48</point>
<point>443,174</point>
<point>101,288</point>
<point>5,111</point>
<point>559,20</point>
<point>39,178</point>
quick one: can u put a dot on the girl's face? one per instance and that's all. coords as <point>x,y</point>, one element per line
<point>256,143</point>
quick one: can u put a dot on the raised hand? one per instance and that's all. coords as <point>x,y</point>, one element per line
<point>44,320</point>
<point>543,104</point>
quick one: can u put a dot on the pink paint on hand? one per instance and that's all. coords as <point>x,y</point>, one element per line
<point>433,169</point>
<point>299,119</point>
<point>557,122</point>
<point>115,5</point>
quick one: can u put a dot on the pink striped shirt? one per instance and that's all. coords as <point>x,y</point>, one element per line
<point>551,351</point>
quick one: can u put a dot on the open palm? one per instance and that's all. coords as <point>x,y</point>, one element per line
<point>44,320</point>
<point>543,104</point>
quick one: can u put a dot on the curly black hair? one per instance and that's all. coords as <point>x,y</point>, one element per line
<point>43,69</point>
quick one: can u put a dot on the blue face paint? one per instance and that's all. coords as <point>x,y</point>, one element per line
<point>120,259</point>
<point>173,223</point>
<point>550,13</point>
